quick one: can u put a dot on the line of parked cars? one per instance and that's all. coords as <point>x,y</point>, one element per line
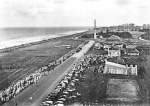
<point>65,92</point>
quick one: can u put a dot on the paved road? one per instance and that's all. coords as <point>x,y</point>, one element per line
<point>48,83</point>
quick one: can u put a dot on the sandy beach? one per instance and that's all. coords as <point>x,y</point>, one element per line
<point>13,44</point>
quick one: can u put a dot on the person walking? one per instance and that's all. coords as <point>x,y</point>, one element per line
<point>16,104</point>
<point>36,83</point>
<point>31,99</point>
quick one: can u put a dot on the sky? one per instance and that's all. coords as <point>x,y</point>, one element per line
<point>58,13</point>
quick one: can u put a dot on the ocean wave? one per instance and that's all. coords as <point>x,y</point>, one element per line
<point>26,40</point>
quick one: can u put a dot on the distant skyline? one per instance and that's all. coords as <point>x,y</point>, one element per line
<point>59,13</point>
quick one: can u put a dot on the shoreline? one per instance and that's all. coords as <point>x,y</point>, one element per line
<point>72,56</point>
<point>26,60</point>
<point>8,49</point>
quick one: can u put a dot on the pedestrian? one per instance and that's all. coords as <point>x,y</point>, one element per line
<point>31,98</point>
<point>16,104</point>
<point>36,83</point>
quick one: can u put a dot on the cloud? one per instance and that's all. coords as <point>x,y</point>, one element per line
<point>90,0</point>
<point>22,13</point>
<point>73,12</point>
<point>122,3</point>
<point>59,1</point>
<point>27,8</point>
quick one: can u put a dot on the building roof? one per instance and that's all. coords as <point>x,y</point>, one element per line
<point>123,61</point>
<point>114,37</point>
<point>132,40</point>
<point>114,48</point>
<point>132,50</point>
<point>130,61</point>
<point>144,46</point>
<point>117,60</point>
<point>114,40</point>
<point>115,64</point>
<point>131,46</point>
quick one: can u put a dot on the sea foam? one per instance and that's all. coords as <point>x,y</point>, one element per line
<point>26,40</point>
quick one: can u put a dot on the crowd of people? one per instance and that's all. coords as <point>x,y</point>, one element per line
<point>17,87</point>
<point>65,92</point>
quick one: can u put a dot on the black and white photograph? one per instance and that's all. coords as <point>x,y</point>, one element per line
<point>74,52</point>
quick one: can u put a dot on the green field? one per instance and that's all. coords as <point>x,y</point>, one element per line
<point>27,60</point>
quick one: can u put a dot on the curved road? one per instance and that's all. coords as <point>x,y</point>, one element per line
<point>137,36</point>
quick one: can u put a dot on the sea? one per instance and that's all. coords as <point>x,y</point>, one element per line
<point>10,37</point>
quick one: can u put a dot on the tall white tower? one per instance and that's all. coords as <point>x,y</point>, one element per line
<point>95,36</point>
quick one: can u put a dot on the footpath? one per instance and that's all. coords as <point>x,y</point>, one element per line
<point>48,83</point>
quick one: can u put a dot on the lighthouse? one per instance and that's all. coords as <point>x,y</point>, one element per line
<point>95,37</point>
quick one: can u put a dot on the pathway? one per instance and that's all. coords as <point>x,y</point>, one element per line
<point>48,83</point>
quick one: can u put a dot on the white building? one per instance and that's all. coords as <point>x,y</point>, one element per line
<point>120,67</point>
<point>114,68</point>
<point>97,45</point>
<point>132,52</point>
<point>112,52</point>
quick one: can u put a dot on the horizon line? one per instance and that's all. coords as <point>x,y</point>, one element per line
<point>42,26</point>
<point>57,26</point>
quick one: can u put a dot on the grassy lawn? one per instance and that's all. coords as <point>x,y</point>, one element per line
<point>146,79</point>
<point>96,51</point>
<point>146,64</point>
<point>122,88</point>
<point>140,87</point>
<point>111,89</point>
<point>94,87</point>
<point>27,60</point>
<point>136,34</point>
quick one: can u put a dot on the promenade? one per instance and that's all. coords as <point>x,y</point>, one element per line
<point>48,83</point>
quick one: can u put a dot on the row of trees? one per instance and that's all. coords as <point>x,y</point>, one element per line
<point>94,88</point>
<point>108,34</point>
<point>146,35</point>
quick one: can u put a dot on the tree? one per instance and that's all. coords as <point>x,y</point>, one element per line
<point>141,71</point>
<point>107,31</point>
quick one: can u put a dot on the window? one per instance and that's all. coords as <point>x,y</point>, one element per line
<point>111,70</point>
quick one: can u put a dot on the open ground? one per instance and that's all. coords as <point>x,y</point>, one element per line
<point>27,60</point>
